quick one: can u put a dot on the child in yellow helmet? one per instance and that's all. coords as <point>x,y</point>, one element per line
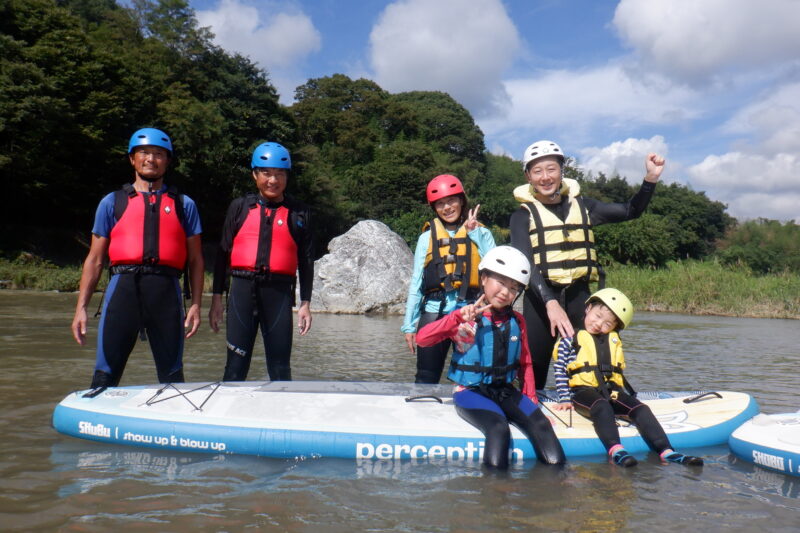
<point>589,377</point>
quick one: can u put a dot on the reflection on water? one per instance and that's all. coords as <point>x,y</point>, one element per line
<point>682,352</point>
<point>50,481</point>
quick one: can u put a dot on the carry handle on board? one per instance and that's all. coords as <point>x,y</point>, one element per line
<point>424,397</point>
<point>701,396</point>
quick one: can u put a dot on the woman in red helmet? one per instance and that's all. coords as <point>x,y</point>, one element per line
<point>445,269</point>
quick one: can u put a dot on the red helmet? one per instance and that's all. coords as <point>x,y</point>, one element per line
<point>443,186</point>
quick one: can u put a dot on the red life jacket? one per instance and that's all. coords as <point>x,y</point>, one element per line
<point>148,231</point>
<point>264,242</point>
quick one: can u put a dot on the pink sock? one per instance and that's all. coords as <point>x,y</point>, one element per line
<point>666,452</point>
<point>615,448</point>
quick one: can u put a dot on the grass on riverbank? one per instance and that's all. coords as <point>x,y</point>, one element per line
<point>28,271</point>
<point>709,288</point>
<point>696,287</point>
<point>33,273</point>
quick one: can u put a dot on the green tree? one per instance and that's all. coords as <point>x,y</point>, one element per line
<point>446,124</point>
<point>763,245</point>
<point>687,224</point>
<point>340,116</point>
<point>645,241</point>
<point>696,221</point>
<point>615,189</point>
<point>494,191</point>
<point>374,152</point>
<point>77,77</point>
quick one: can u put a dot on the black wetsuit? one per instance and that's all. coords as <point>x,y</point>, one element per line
<point>591,403</point>
<point>134,302</point>
<point>263,300</point>
<point>490,408</point>
<point>573,297</point>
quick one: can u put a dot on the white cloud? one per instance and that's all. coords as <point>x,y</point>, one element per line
<point>568,104</point>
<point>461,47</point>
<point>752,185</point>
<point>760,177</point>
<point>774,122</point>
<point>499,149</point>
<point>693,40</point>
<point>750,206</point>
<point>626,158</point>
<point>277,43</point>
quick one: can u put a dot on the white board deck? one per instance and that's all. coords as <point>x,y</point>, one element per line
<point>771,441</point>
<point>356,420</point>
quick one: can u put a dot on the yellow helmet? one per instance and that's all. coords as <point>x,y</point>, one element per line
<point>619,304</point>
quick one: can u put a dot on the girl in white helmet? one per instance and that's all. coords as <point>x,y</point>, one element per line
<point>490,352</point>
<point>553,227</point>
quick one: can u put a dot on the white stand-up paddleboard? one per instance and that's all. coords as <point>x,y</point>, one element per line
<point>771,441</point>
<point>356,420</point>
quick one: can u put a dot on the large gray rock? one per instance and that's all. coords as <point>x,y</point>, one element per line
<point>367,271</point>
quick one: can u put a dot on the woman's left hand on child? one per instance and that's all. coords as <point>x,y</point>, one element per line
<point>471,312</point>
<point>472,218</point>
<point>559,320</point>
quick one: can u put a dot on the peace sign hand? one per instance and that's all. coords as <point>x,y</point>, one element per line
<point>472,218</point>
<point>472,311</point>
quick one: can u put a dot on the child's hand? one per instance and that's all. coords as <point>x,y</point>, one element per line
<point>466,330</point>
<point>472,218</point>
<point>563,406</point>
<point>471,312</point>
<point>465,336</point>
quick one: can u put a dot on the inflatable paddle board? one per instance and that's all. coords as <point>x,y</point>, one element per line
<point>295,419</point>
<point>771,441</point>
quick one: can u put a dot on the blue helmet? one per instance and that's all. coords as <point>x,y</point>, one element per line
<point>271,155</point>
<point>150,137</point>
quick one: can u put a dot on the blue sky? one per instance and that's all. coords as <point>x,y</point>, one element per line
<point>713,85</point>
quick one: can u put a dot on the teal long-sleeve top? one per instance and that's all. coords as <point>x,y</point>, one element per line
<point>481,236</point>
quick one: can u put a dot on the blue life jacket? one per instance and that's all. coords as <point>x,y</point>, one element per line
<point>492,359</point>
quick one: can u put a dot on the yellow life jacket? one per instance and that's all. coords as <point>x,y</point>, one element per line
<point>596,360</point>
<point>451,262</point>
<point>564,250</point>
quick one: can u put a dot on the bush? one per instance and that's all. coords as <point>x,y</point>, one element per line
<point>28,271</point>
<point>764,246</point>
<point>644,242</point>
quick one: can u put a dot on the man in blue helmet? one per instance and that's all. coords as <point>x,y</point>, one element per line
<point>149,233</point>
<point>266,245</point>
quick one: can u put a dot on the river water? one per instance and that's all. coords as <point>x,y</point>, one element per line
<point>53,482</point>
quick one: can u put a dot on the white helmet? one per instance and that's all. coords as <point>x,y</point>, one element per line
<point>541,149</point>
<point>509,262</point>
